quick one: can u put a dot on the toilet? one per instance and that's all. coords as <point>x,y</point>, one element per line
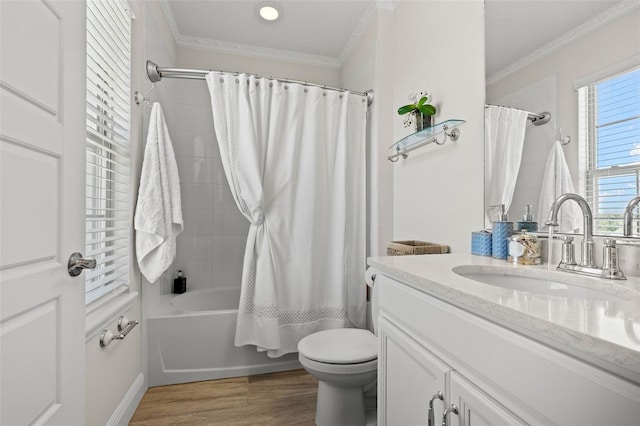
<point>345,363</point>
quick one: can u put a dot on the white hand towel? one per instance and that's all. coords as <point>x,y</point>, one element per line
<point>557,181</point>
<point>158,217</point>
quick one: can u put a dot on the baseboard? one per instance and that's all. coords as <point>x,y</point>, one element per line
<point>126,408</point>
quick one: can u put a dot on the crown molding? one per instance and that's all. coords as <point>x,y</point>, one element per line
<point>168,14</point>
<point>387,4</point>
<point>277,54</point>
<point>620,9</point>
<point>358,31</point>
<point>256,51</point>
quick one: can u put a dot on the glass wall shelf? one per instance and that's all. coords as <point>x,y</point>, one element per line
<point>425,137</point>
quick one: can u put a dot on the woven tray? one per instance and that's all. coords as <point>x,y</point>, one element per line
<point>402,248</point>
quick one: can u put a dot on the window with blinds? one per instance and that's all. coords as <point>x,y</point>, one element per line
<point>609,120</point>
<point>107,163</point>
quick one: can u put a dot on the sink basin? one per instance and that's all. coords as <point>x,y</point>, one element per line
<point>536,282</point>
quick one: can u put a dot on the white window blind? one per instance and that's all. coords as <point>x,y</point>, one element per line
<point>609,120</point>
<point>107,163</point>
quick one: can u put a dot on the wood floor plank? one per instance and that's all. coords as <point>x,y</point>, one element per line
<point>277,399</point>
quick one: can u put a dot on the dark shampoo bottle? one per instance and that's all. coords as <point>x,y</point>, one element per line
<point>180,283</point>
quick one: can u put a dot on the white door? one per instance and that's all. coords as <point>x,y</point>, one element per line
<point>42,115</point>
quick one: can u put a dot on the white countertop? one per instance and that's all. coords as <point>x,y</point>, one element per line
<point>604,333</point>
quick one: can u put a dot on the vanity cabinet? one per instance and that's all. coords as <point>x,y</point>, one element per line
<point>412,377</point>
<point>492,374</point>
<point>475,407</point>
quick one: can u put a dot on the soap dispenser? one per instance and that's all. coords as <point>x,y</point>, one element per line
<point>527,223</point>
<point>502,230</point>
<point>180,283</point>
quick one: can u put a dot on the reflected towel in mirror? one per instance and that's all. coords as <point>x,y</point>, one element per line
<point>557,181</point>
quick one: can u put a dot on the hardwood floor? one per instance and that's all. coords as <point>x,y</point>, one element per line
<point>286,398</point>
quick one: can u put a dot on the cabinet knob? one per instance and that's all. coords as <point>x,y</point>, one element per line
<point>453,409</point>
<point>438,395</point>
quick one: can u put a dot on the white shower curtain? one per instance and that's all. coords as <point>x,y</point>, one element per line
<point>504,139</point>
<point>294,157</point>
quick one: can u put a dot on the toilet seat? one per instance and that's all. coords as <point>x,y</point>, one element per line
<point>338,369</point>
<point>340,346</point>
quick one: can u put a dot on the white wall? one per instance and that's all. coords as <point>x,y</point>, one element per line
<point>367,67</point>
<point>438,190</point>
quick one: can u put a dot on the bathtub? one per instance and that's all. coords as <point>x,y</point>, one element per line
<point>190,338</point>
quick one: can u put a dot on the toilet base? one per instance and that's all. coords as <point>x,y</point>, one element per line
<point>339,406</point>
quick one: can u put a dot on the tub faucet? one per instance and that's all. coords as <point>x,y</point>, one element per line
<point>628,215</point>
<point>588,252</point>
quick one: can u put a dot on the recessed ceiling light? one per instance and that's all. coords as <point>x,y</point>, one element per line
<point>269,11</point>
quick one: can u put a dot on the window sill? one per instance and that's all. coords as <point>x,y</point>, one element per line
<point>103,311</point>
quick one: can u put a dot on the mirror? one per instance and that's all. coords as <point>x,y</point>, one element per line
<point>537,55</point>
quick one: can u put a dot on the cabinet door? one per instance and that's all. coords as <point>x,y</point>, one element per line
<point>476,408</point>
<point>408,376</point>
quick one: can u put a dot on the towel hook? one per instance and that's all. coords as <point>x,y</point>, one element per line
<point>139,97</point>
<point>564,140</point>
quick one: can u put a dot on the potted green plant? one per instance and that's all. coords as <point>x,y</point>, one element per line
<point>419,111</point>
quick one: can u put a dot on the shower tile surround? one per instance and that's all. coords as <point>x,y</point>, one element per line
<point>211,247</point>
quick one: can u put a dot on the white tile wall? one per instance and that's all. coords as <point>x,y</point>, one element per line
<point>210,251</point>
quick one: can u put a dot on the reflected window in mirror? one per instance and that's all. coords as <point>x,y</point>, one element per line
<point>609,137</point>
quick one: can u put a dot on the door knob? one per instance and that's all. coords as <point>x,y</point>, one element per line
<point>77,264</point>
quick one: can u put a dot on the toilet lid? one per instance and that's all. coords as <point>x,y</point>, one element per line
<point>340,346</point>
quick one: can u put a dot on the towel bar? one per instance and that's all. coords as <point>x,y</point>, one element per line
<point>125,325</point>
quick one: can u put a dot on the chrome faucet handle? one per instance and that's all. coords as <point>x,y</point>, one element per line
<point>588,259</point>
<point>610,259</point>
<point>568,251</point>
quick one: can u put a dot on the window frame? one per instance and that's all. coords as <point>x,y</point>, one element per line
<point>108,180</point>
<point>590,173</point>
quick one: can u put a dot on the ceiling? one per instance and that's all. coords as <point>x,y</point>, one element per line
<point>320,29</point>
<point>323,31</point>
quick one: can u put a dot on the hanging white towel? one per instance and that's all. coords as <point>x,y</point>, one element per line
<point>158,218</point>
<point>557,181</point>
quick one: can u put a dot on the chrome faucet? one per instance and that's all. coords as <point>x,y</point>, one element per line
<point>588,252</point>
<point>587,265</point>
<point>628,215</point>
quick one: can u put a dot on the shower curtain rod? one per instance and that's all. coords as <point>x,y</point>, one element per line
<point>156,73</point>
<point>536,119</point>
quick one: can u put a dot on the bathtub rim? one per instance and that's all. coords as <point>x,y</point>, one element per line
<point>165,309</point>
